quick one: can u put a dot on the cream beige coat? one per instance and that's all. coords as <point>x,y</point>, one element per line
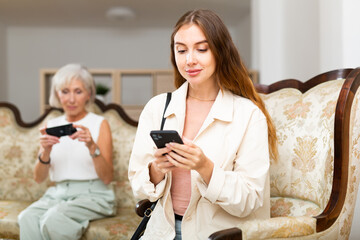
<point>234,137</point>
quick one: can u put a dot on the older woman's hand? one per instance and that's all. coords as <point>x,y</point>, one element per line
<point>47,141</point>
<point>83,135</point>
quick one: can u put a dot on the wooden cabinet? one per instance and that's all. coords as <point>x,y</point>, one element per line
<point>129,88</point>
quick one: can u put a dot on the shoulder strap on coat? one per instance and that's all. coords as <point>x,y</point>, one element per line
<point>168,98</point>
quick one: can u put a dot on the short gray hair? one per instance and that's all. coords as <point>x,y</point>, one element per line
<point>65,75</point>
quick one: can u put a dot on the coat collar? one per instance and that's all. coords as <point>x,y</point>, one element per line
<point>221,110</point>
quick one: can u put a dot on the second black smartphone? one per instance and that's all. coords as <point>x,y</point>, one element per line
<point>60,131</point>
<point>161,137</point>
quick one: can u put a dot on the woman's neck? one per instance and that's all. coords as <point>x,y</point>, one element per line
<point>75,118</point>
<point>203,93</point>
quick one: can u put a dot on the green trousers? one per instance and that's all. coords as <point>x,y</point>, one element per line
<point>65,210</point>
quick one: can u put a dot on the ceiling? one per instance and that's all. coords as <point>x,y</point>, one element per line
<point>92,13</point>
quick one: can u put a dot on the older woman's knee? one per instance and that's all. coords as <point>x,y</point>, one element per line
<point>28,216</point>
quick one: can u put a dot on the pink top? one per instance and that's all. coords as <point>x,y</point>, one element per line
<point>180,190</point>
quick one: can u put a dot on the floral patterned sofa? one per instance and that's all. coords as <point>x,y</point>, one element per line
<point>19,144</point>
<point>315,182</point>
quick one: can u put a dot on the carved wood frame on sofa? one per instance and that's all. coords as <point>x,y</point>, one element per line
<point>335,205</point>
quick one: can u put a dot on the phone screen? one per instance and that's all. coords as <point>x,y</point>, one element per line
<point>60,131</point>
<point>161,137</point>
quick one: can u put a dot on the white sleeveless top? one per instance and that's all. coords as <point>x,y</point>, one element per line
<point>70,159</point>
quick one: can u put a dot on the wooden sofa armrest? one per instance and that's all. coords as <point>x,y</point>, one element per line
<point>227,234</point>
<point>341,152</point>
<point>141,206</point>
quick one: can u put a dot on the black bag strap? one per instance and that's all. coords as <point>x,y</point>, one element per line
<point>168,99</point>
<point>142,226</point>
<point>147,214</point>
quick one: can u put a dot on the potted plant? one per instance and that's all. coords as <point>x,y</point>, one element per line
<point>101,91</point>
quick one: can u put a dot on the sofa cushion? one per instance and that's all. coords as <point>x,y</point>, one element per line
<point>292,207</point>
<point>304,124</point>
<point>122,226</point>
<point>280,228</point>
<point>9,210</point>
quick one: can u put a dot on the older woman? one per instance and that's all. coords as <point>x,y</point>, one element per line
<point>80,164</point>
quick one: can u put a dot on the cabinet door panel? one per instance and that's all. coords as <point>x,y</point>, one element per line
<point>136,89</point>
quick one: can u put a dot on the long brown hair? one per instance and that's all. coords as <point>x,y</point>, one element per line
<point>230,72</point>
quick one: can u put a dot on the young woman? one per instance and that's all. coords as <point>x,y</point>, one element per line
<point>219,177</point>
<point>79,164</point>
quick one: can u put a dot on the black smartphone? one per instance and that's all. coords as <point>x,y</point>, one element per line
<point>161,137</point>
<point>60,131</point>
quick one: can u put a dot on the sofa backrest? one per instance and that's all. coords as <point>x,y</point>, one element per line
<point>305,130</point>
<point>19,146</point>
<point>123,135</point>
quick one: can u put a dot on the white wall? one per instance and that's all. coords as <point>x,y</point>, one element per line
<point>300,39</point>
<point>331,21</point>
<point>242,39</point>
<point>351,34</point>
<point>3,82</point>
<point>285,39</point>
<point>339,34</point>
<point>267,40</point>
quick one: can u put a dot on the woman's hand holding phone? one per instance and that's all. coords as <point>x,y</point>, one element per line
<point>83,135</point>
<point>187,156</point>
<point>161,138</point>
<point>161,165</point>
<point>47,141</point>
<point>190,156</point>
<point>172,152</point>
